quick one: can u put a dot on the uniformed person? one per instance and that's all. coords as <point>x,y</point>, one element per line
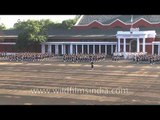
<point>92,65</point>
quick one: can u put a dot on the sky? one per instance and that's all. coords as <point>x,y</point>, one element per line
<point>9,20</point>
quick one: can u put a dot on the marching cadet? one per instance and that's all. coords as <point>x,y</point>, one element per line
<point>151,60</point>
<point>137,59</point>
<point>92,65</point>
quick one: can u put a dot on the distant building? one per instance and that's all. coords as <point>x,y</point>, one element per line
<point>97,34</point>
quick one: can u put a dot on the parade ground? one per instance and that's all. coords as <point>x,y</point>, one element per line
<point>34,83</point>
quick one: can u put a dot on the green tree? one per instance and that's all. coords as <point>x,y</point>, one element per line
<point>35,32</point>
<point>31,32</point>
<point>70,22</point>
<point>77,17</point>
<point>46,23</point>
<point>2,27</point>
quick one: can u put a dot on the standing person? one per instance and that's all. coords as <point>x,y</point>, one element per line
<point>137,59</point>
<point>151,60</point>
<point>92,65</point>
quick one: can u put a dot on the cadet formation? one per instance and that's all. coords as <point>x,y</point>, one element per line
<point>146,59</point>
<point>136,58</point>
<point>25,56</point>
<point>84,58</point>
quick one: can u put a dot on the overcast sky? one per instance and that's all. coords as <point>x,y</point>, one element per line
<point>9,20</point>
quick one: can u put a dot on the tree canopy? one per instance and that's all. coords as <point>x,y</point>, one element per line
<point>31,32</point>
<point>35,31</point>
<point>2,27</point>
<point>70,22</point>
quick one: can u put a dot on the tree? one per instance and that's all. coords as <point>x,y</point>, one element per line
<point>2,27</point>
<point>35,32</point>
<point>70,22</point>
<point>31,32</point>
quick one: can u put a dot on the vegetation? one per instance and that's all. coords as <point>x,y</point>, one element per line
<point>2,27</point>
<point>34,31</point>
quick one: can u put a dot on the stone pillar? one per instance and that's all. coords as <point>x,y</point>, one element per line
<point>88,48</point>
<point>105,49</point>
<point>93,49</point>
<point>158,49</point>
<point>124,45</point>
<point>138,45</point>
<point>76,50</point>
<point>144,47</point>
<point>119,45</point>
<point>62,49</point>
<point>82,49</point>
<point>152,49</point>
<point>56,49</point>
<point>49,49</point>
<point>71,49</point>
<point>42,48</point>
<point>111,49</point>
<point>100,49</point>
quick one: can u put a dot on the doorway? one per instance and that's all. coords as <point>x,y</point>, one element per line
<point>133,45</point>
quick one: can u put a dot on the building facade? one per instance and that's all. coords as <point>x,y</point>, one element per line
<point>97,34</point>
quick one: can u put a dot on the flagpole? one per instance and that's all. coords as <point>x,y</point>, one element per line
<point>131,27</point>
<point>131,21</point>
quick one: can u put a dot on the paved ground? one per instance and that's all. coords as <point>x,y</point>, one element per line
<point>19,80</point>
